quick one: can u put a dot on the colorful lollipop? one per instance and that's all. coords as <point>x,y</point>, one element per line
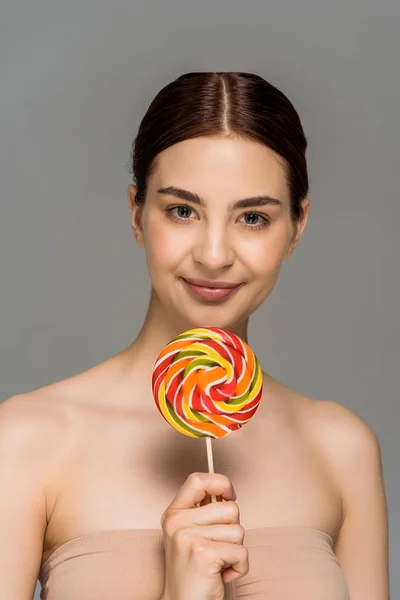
<point>207,382</point>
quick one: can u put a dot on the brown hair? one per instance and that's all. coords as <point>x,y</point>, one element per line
<point>222,104</point>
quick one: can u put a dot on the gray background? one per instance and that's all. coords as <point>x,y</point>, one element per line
<point>76,78</point>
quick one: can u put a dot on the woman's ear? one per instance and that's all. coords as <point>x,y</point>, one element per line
<point>300,226</point>
<point>136,215</point>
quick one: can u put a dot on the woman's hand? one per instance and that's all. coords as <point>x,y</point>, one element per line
<point>203,545</point>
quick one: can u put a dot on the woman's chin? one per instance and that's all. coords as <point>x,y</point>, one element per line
<point>209,321</point>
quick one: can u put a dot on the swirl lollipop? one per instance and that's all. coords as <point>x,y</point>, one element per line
<point>207,382</point>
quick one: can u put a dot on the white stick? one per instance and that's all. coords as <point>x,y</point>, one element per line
<point>228,586</point>
<point>210,462</point>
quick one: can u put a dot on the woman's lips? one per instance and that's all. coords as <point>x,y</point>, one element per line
<point>210,293</point>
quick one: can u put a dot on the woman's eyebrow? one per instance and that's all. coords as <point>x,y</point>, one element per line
<point>196,199</point>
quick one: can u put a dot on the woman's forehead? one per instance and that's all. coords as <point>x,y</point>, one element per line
<point>234,168</point>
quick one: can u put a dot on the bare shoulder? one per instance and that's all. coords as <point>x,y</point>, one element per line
<point>52,418</point>
<point>338,432</point>
<point>27,417</point>
<point>34,426</point>
<point>41,411</point>
<point>342,431</point>
<point>34,421</point>
<point>53,411</point>
<point>350,445</point>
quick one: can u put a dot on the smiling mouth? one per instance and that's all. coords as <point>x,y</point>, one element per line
<point>211,284</point>
<point>210,293</point>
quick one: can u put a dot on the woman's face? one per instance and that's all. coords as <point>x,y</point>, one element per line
<point>213,240</point>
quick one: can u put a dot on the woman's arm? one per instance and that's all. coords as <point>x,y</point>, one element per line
<point>362,543</point>
<point>22,499</point>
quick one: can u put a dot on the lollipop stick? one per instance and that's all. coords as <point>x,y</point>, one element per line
<point>210,462</point>
<point>227,587</point>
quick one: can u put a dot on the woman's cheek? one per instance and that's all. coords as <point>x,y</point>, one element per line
<point>263,259</point>
<point>164,247</point>
<point>271,251</point>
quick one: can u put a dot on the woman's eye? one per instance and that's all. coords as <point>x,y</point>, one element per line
<point>253,218</point>
<point>183,212</point>
<point>257,221</point>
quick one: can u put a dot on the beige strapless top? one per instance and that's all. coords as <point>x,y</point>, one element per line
<point>286,563</point>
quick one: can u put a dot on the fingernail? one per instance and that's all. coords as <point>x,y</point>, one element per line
<point>234,495</point>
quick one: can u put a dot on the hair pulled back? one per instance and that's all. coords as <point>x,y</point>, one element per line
<point>235,104</point>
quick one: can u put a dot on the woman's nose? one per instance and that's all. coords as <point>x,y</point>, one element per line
<point>214,250</point>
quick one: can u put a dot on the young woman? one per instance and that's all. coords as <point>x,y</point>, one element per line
<point>101,498</point>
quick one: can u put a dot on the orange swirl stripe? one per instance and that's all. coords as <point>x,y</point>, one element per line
<point>207,382</point>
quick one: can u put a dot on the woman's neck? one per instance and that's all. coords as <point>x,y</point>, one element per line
<point>158,329</point>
